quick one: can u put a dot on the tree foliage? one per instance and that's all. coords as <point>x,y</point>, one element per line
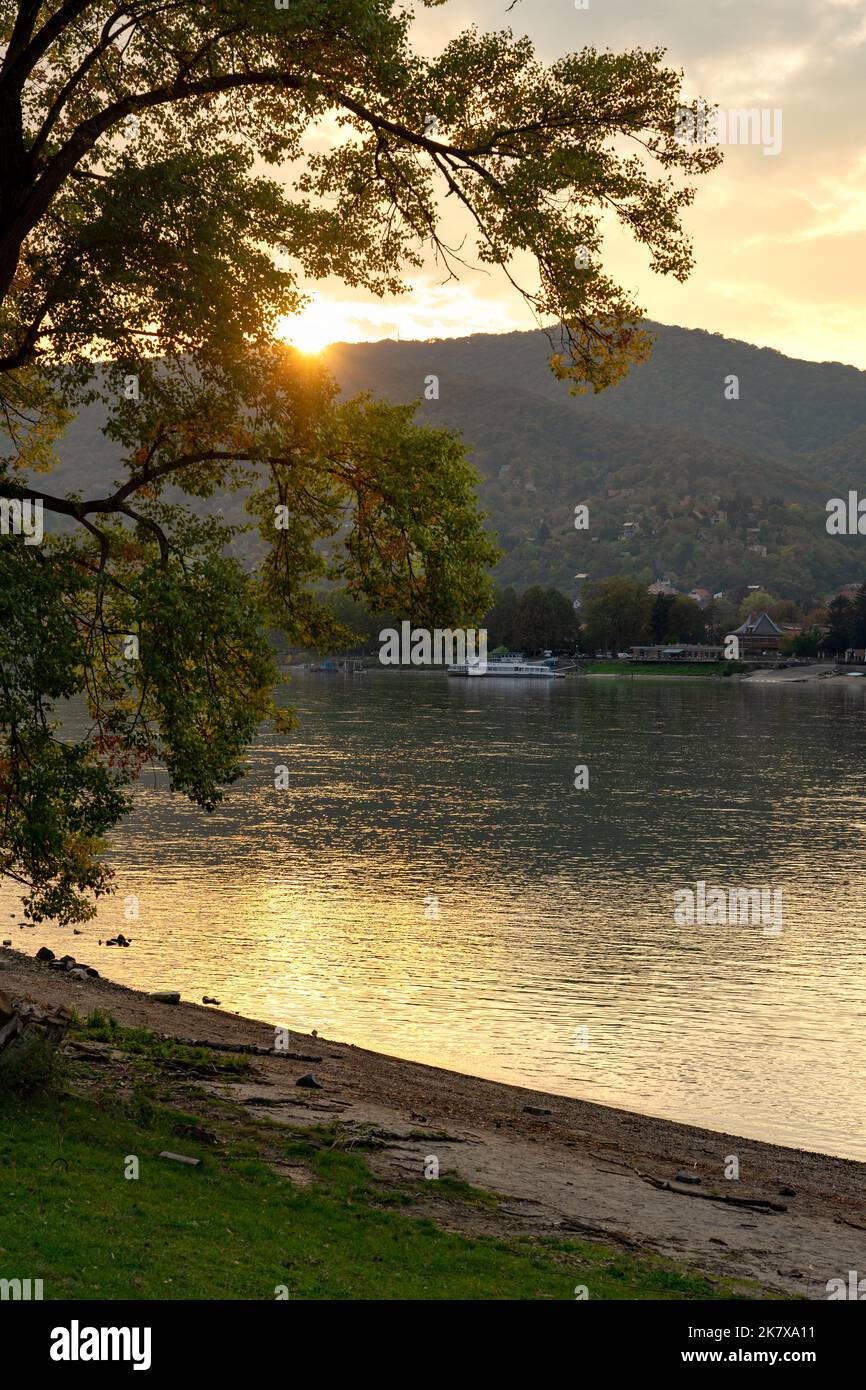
<point>166,190</point>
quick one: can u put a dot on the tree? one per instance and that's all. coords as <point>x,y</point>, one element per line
<point>721,618</point>
<point>617,613</point>
<point>840,619</point>
<point>660,617</point>
<point>858,624</point>
<point>142,225</point>
<point>499,622</point>
<point>757,601</point>
<point>686,620</point>
<point>532,620</point>
<point>562,621</point>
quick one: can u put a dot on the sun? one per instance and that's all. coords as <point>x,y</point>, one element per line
<point>311,331</point>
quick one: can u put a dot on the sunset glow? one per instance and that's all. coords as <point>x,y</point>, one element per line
<point>314,329</point>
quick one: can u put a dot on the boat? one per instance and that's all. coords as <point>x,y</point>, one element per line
<point>514,666</point>
<point>334,666</point>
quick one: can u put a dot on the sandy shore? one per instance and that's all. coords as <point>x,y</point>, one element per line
<point>791,1222</point>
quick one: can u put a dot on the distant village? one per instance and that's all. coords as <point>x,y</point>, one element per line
<point>835,629</point>
<point>619,616</point>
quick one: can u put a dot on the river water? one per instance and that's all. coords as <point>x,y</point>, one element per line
<point>432,884</point>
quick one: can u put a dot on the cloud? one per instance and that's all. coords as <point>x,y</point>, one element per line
<point>779,241</point>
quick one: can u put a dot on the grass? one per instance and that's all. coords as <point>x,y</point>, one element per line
<point>234,1228</point>
<point>100,1027</point>
<point>697,671</point>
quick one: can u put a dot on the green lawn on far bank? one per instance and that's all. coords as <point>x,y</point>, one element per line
<point>693,669</point>
<point>235,1228</point>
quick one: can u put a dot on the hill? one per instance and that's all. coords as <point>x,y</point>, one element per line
<point>679,481</point>
<point>719,493</point>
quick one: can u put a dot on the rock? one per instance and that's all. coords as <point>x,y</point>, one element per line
<point>181,1158</point>
<point>79,973</point>
<point>166,996</point>
<point>787,1191</point>
<point>536,1110</point>
<point>309,1081</point>
<point>206,999</point>
<point>21,1023</point>
<point>93,974</point>
<point>686,1176</point>
<point>121,939</point>
<point>44,953</point>
<point>7,942</point>
<point>75,931</point>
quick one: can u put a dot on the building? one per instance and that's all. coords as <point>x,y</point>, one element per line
<point>662,586</point>
<point>679,652</point>
<point>758,634</point>
<point>849,591</point>
<point>701,596</point>
<point>629,529</point>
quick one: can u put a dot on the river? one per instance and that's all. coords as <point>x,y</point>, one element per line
<point>432,884</point>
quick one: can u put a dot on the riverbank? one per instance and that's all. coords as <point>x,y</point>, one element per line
<point>826,673</point>
<point>549,1168</point>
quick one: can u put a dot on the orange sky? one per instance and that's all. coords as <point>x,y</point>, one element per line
<point>780,240</point>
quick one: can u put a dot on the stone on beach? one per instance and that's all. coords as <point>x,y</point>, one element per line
<point>166,996</point>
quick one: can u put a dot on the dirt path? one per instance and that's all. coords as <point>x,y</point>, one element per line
<point>564,1165</point>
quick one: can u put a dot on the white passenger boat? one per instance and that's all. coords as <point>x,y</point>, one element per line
<point>517,667</point>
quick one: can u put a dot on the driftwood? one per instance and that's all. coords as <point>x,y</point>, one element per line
<point>22,1023</point>
<point>252,1048</point>
<point>753,1203</point>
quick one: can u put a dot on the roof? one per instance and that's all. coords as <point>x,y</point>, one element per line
<point>755,626</point>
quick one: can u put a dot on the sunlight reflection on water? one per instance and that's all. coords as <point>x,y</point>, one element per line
<point>433,886</point>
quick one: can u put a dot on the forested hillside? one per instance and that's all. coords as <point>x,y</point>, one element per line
<point>702,479</point>
<point>679,481</point>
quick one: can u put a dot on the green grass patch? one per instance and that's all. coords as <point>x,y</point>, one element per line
<point>101,1027</point>
<point>235,1229</point>
<point>692,670</point>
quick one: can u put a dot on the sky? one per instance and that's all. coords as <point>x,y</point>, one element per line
<point>779,239</point>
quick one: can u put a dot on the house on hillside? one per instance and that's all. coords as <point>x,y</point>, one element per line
<point>758,634</point>
<point>662,586</point>
<point>701,596</point>
<point>849,591</point>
